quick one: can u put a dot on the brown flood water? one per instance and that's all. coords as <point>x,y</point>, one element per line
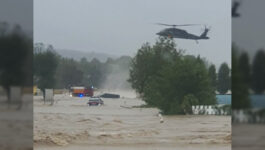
<point>70,124</point>
<point>248,136</point>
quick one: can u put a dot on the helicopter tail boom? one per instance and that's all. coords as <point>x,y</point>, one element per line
<point>204,34</point>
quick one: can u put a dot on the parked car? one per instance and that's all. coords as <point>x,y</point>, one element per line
<point>95,101</point>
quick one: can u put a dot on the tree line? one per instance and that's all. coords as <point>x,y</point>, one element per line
<point>248,77</point>
<point>167,79</point>
<point>253,73</point>
<point>221,80</point>
<point>54,71</point>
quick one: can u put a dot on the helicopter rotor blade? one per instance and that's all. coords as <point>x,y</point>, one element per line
<point>176,25</point>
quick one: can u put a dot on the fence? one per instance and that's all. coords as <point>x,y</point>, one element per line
<point>248,116</point>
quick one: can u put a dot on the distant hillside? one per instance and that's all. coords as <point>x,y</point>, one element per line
<point>77,55</point>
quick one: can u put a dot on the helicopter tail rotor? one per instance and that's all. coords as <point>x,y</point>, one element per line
<point>205,32</point>
<point>206,28</point>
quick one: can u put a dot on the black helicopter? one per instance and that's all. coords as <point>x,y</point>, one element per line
<point>182,34</point>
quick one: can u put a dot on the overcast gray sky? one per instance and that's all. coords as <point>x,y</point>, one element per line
<point>120,27</point>
<point>249,29</point>
<point>17,12</point>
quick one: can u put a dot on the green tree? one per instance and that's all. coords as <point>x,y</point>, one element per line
<point>187,103</point>
<point>212,75</point>
<point>258,72</point>
<point>240,96</point>
<point>15,58</point>
<point>96,72</point>
<point>186,76</point>
<point>45,65</point>
<point>85,67</point>
<point>149,60</point>
<point>223,84</point>
<point>141,68</point>
<point>173,82</point>
<point>68,74</point>
<point>244,67</point>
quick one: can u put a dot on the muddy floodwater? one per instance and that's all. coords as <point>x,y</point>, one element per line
<point>16,124</point>
<point>71,124</point>
<point>248,136</point>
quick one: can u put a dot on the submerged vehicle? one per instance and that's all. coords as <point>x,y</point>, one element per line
<point>95,101</point>
<point>109,95</point>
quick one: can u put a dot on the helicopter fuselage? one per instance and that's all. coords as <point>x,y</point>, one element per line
<point>182,34</point>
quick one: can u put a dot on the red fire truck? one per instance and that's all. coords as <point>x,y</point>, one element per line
<point>80,91</point>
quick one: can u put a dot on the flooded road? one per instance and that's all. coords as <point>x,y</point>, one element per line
<point>248,136</point>
<point>16,124</point>
<point>71,124</point>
